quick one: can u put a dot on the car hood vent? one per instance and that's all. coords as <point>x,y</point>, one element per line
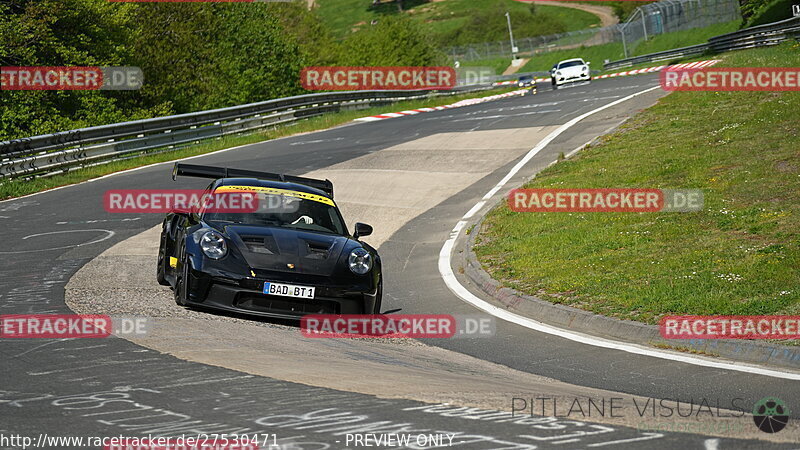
<point>287,250</point>
<point>261,244</point>
<point>318,250</point>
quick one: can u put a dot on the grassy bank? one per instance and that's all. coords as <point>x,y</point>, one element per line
<point>740,255</point>
<point>597,54</point>
<point>499,65</point>
<point>685,38</point>
<point>459,20</point>
<point>17,188</point>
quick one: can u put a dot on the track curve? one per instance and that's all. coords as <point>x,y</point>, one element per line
<point>449,148</point>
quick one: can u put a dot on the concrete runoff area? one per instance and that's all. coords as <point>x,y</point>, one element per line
<point>386,189</point>
<point>52,235</point>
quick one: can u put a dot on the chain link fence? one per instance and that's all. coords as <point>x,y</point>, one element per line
<point>649,20</point>
<point>668,16</point>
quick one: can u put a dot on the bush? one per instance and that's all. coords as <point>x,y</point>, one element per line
<point>393,41</point>
<point>193,56</point>
<point>490,24</point>
<point>763,12</point>
<point>66,33</point>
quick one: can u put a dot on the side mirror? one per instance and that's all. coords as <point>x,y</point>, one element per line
<point>189,213</point>
<point>362,230</point>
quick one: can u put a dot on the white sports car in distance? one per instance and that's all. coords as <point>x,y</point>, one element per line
<point>569,71</point>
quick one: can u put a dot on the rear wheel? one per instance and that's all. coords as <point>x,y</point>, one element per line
<point>163,260</point>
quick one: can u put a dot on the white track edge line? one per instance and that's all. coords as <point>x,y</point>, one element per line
<point>449,277</point>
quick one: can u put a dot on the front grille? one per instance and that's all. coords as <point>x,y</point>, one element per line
<point>269,303</point>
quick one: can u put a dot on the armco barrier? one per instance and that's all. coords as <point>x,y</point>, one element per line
<point>760,36</point>
<point>659,56</point>
<point>59,152</point>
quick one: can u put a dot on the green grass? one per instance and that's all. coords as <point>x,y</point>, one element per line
<point>17,188</point>
<point>599,53</point>
<point>574,19</point>
<point>439,18</point>
<point>499,65</point>
<point>622,9</point>
<point>684,349</point>
<point>595,54</point>
<point>685,38</point>
<point>740,255</point>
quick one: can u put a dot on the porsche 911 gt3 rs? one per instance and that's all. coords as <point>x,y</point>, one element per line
<point>292,255</point>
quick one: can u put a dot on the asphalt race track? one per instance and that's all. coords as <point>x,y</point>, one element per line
<point>113,387</point>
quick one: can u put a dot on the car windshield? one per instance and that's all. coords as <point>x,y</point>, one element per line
<point>525,78</point>
<point>566,64</point>
<point>286,210</point>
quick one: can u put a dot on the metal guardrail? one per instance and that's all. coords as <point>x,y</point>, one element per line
<point>760,36</point>
<point>763,35</point>
<point>659,56</point>
<point>63,151</point>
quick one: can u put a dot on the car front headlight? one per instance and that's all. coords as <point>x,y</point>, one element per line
<point>213,245</point>
<point>558,74</point>
<point>360,261</point>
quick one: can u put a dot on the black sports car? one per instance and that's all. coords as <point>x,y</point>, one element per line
<point>291,256</point>
<point>528,81</point>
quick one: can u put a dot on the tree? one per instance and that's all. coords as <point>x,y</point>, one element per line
<point>394,41</point>
<point>64,33</point>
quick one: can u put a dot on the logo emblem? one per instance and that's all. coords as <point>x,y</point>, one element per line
<point>770,414</point>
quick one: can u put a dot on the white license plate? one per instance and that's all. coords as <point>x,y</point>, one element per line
<point>288,290</point>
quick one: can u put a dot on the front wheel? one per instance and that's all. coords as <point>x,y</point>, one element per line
<point>378,298</point>
<point>182,279</point>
